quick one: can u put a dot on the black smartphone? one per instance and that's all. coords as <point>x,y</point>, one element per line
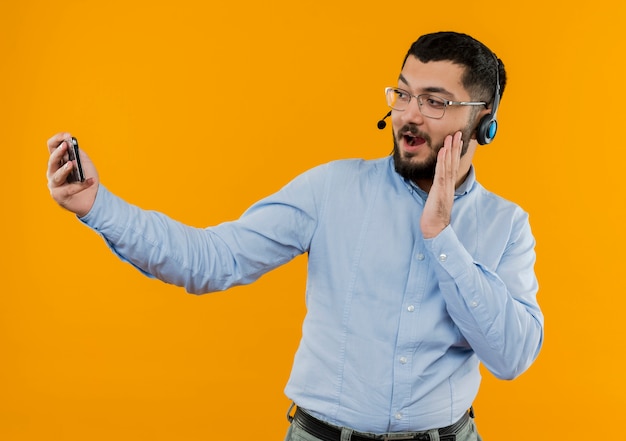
<point>72,155</point>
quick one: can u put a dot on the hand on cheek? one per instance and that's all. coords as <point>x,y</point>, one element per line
<point>438,207</point>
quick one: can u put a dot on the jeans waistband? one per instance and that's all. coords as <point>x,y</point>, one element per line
<point>329,432</point>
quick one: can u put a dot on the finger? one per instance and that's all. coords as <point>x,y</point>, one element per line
<point>59,177</point>
<point>457,142</point>
<point>447,156</point>
<point>55,160</point>
<point>457,148</point>
<point>56,140</point>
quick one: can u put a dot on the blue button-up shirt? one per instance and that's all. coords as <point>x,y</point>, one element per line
<point>396,324</point>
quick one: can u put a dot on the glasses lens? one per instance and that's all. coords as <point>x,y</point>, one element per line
<point>397,99</point>
<point>432,106</point>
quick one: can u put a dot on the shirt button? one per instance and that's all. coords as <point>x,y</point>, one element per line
<point>443,257</point>
<point>420,256</point>
<point>403,360</point>
<point>410,308</point>
<point>398,416</point>
<point>474,304</point>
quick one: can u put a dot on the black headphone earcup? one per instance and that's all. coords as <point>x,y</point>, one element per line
<point>486,129</point>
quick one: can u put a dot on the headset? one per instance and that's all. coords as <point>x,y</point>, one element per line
<point>488,125</point>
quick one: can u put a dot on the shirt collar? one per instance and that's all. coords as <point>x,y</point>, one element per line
<point>467,185</point>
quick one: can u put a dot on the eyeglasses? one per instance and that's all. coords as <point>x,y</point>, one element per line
<point>430,106</point>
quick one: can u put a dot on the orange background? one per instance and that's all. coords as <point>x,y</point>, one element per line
<point>198,109</point>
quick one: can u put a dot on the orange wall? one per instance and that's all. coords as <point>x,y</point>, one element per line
<point>200,108</point>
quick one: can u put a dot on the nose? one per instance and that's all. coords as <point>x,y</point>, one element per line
<point>412,114</point>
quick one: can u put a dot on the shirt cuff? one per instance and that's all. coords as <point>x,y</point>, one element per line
<point>449,253</point>
<point>104,216</point>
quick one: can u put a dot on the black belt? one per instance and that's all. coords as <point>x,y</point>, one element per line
<point>328,432</point>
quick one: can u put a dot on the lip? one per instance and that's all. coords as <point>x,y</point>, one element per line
<point>411,143</point>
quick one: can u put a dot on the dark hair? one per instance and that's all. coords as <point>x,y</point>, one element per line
<point>479,61</point>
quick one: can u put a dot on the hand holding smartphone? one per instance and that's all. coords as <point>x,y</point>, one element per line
<point>77,174</point>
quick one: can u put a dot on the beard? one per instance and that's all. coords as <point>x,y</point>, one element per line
<point>425,169</point>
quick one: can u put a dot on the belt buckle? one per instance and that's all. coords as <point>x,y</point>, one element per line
<point>419,437</point>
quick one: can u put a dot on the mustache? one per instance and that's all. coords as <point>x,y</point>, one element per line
<point>409,129</point>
